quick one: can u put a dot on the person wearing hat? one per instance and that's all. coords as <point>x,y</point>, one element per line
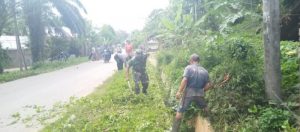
<point>138,65</point>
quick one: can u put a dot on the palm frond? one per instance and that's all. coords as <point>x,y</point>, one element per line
<point>70,15</point>
<point>80,5</point>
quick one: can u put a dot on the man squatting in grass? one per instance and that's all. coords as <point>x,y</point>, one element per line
<point>193,85</point>
<point>138,64</point>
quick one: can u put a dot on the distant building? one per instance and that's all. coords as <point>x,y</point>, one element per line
<point>152,45</point>
<point>9,44</point>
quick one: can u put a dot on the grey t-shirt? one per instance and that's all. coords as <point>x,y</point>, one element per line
<point>197,78</point>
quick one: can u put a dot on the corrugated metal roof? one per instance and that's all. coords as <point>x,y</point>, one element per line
<point>152,41</point>
<point>9,42</point>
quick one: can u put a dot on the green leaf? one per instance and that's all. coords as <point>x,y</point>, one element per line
<point>178,14</point>
<point>253,109</point>
<point>168,24</point>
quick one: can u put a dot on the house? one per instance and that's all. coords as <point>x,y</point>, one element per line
<point>152,45</point>
<point>9,44</point>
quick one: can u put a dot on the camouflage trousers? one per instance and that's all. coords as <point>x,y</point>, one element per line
<point>143,78</point>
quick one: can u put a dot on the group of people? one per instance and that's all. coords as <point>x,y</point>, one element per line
<point>135,61</point>
<point>195,80</point>
<point>101,52</point>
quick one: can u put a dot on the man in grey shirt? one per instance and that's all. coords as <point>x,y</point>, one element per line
<point>192,88</point>
<point>195,81</point>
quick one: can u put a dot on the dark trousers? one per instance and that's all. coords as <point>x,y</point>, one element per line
<point>120,65</point>
<point>141,77</point>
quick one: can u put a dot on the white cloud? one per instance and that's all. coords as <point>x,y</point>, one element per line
<point>126,15</point>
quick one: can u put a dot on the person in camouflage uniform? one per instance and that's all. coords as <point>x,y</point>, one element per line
<point>138,64</point>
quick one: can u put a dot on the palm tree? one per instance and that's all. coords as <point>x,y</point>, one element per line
<point>36,12</point>
<point>3,14</point>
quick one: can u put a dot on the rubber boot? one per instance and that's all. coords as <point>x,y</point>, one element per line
<point>137,88</point>
<point>145,87</point>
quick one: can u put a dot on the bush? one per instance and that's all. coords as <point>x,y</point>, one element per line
<point>266,119</point>
<point>242,58</point>
<point>272,119</point>
<point>245,88</point>
<point>289,68</point>
<point>4,59</point>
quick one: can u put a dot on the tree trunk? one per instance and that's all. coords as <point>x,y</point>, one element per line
<point>1,69</point>
<point>18,42</point>
<point>195,11</point>
<point>271,21</point>
<point>3,15</point>
<point>33,12</point>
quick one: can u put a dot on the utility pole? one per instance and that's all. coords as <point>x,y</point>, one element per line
<point>18,42</point>
<point>271,22</point>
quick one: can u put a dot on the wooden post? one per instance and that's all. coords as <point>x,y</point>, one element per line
<point>18,42</point>
<point>271,22</point>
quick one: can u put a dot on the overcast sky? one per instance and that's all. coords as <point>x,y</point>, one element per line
<point>125,15</point>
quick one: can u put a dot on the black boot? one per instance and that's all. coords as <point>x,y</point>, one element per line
<point>137,89</point>
<point>145,87</point>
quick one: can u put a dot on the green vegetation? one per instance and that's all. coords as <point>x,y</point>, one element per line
<point>114,107</point>
<point>39,68</point>
<point>227,35</point>
<point>4,59</point>
<point>241,104</point>
<point>54,26</point>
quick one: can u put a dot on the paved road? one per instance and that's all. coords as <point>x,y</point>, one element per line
<point>49,88</point>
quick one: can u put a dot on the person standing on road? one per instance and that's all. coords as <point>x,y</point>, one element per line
<point>119,58</point>
<point>192,88</point>
<point>93,54</point>
<point>107,54</point>
<point>138,64</point>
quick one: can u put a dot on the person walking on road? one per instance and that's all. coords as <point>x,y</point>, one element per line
<point>138,64</point>
<point>192,88</point>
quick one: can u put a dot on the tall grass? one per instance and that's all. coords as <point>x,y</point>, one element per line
<point>39,68</point>
<point>114,107</point>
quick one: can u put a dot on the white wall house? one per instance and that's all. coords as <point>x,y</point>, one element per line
<point>152,45</point>
<point>9,44</point>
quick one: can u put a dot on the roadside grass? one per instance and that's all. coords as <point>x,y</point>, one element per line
<point>40,68</point>
<point>114,107</point>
